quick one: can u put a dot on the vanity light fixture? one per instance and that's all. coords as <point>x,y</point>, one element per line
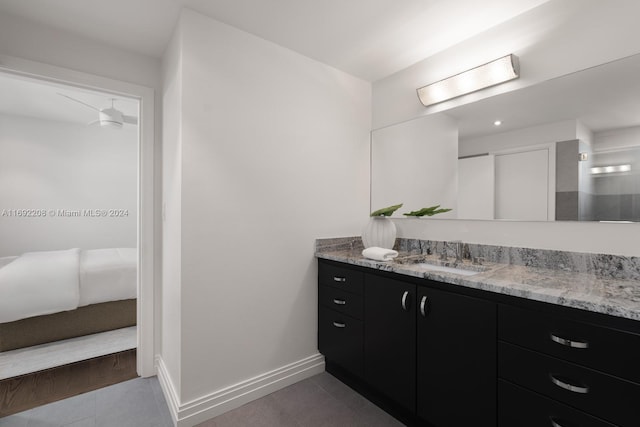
<point>490,74</point>
<point>610,169</point>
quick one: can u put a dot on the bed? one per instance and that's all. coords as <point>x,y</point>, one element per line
<point>53,295</point>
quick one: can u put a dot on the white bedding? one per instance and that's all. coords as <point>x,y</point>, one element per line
<point>6,260</point>
<point>107,275</point>
<point>38,283</point>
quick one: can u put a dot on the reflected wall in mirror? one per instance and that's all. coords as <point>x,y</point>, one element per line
<point>414,163</point>
<point>567,149</point>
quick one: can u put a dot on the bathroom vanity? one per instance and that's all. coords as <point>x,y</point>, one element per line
<point>508,345</point>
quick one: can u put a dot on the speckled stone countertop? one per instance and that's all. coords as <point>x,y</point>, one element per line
<point>587,281</point>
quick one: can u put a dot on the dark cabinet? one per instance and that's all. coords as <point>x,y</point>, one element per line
<point>589,367</point>
<point>390,338</point>
<point>594,392</point>
<point>340,339</point>
<point>457,358</point>
<point>456,365</point>
<point>341,301</point>
<point>578,342</point>
<point>340,325</point>
<point>339,277</point>
<point>523,408</point>
<point>430,353</point>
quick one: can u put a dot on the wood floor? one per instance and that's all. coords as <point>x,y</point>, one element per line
<point>28,391</point>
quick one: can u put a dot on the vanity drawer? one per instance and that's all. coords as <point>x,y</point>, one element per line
<point>608,350</point>
<point>341,339</point>
<point>341,301</point>
<point>594,392</point>
<point>523,408</point>
<point>340,277</point>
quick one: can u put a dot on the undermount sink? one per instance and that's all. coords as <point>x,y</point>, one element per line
<point>446,269</point>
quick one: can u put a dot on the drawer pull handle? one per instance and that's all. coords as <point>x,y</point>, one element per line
<point>339,325</point>
<point>405,295</point>
<point>565,385</point>
<point>339,301</point>
<point>339,279</point>
<point>569,343</point>
<point>423,306</point>
<point>555,423</point>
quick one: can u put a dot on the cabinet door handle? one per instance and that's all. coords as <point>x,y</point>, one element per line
<point>339,325</point>
<point>567,386</point>
<point>569,343</point>
<point>339,301</point>
<point>423,306</point>
<point>555,422</point>
<point>405,296</point>
<point>339,279</point>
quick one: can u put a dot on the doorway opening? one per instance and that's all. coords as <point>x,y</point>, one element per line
<point>68,256</point>
<point>100,223</point>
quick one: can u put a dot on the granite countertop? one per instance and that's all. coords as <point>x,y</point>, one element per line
<point>587,291</point>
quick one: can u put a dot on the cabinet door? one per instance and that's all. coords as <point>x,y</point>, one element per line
<point>581,343</point>
<point>456,367</point>
<point>389,343</point>
<point>520,407</point>
<point>340,339</point>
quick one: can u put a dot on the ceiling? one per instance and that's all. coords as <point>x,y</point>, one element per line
<point>370,39</point>
<point>28,97</point>
<point>367,38</point>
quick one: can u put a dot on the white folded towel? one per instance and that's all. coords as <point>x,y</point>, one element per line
<point>379,254</point>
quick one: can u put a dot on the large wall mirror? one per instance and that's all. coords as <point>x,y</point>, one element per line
<point>566,149</point>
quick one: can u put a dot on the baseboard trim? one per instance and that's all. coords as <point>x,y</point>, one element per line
<point>211,405</point>
<point>168,389</point>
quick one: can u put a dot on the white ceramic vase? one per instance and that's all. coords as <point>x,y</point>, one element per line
<point>380,231</point>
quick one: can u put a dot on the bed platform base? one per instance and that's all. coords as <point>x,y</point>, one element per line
<point>87,320</point>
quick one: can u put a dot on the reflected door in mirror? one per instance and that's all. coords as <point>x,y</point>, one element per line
<point>476,187</point>
<point>522,184</point>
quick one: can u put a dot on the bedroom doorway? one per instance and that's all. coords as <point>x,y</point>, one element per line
<point>68,256</point>
<point>101,223</point>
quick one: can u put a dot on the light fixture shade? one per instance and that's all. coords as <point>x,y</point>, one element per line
<point>490,74</point>
<point>610,169</point>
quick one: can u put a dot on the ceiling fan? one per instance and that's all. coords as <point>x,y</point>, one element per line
<point>107,117</point>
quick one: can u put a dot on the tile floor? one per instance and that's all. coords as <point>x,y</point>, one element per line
<point>321,400</point>
<point>134,403</point>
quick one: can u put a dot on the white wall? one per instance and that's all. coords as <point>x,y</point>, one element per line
<point>36,42</point>
<point>275,153</point>
<point>54,165</point>
<point>556,38</point>
<point>172,207</point>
